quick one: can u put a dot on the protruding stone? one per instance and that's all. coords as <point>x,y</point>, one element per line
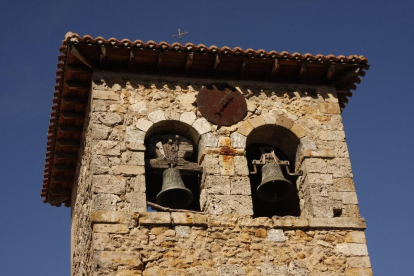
<point>156,116</point>
<point>105,216</point>
<point>276,235</point>
<point>105,95</point>
<point>111,228</point>
<point>238,140</point>
<point>202,126</point>
<point>188,118</point>
<point>143,124</point>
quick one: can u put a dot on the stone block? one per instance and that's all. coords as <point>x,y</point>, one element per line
<point>202,126</point>
<point>329,108</point>
<point>139,107</point>
<point>238,140</point>
<point>129,273</point>
<point>332,135</point>
<point>290,222</point>
<point>208,140</point>
<point>156,116</point>
<point>134,135</point>
<point>350,210</point>
<point>343,185</point>
<point>245,128</point>
<point>188,118</point>
<point>222,221</point>
<point>183,231</point>
<point>105,216</point>
<point>224,142</point>
<point>159,218</point>
<point>137,201</point>
<point>110,228</point>
<point>318,178</point>
<point>110,148</point>
<point>260,222</point>
<point>226,163</point>
<point>314,165</point>
<point>107,118</point>
<point>137,183</point>
<point>128,170</point>
<point>269,119</point>
<point>284,121</point>
<point>230,204</point>
<point>105,95</point>
<point>359,262</point>
<point>251,106</point>
<point>99,164</point>
<point>108,259</point>
<point>216,184</point>
<point>135,158</point>
<point>340,167</point>
<point>337,223</point>
<point>100,132</point>
<point>210,164</point>
<point>298,131</point>
<point>346,197</point>
<point>231,270</point>
<point>108,184</point>
<point>363,271</point>
<point>273,269</point>
<point>101,242</point>
<point>136,146</point>
<point>298,268</point>
<point>355,237</point>
<point>240,166</point>
<point>240,186</point>
<point>105,202</point>
<point>352,249</point>
<point>276,235</point>
<point>144,125</point>
<point>257,121</point>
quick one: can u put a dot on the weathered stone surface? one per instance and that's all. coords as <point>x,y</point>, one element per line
<point>284,121</point>
<point>106,118</point>
<point>137,183</point>
<point>156,116</point>
<point>340,167</point>
<point>202,126</point>
<point>359,262</point>
<point>100,132</point>
<point>352,249</point>
<point>104,216</point>
<point>345,197</point>
<point>240,185</point>
<point>105,202</point>
<point>230,204</point>
<point>110,228</point>
<point>133,135</point>
<point>128,170</point>
<point>134,158</point>
<point>139,107</point>
<point>344,185</point>
<point>108,184</point>
<point>231,270</point>
<point>143,124</point>
<point>210,164</point>
<point>272,269</point>
<point>240,166</point>
<point>330,108</point>
<point>188,118</point>
<point>251,106</point>
<point>129,273</point>
<point>137,201</point>
<point>332,223</point>
<point>226,163</point>
<point>314,165</point>
<point>257,121</point>
<point>355,237</point>
<point>219,185</point>
<point>290,222</point>
<point>329,135</point>
<point>245,128</point>
<point>319,178</point>
<point>107,148</point>
<point>154,218</point>
<point>238,140</point>
<point>358,272</point>
<point>276,235</point>
<point>298,131</point>
<point>107,259</point>
<point>183,231</point>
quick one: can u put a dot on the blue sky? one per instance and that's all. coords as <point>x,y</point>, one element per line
<point>378,121</point>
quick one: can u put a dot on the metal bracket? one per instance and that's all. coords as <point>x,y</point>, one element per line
<point>269,156</point>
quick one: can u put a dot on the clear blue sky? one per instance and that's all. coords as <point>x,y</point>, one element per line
<point>378,121</point>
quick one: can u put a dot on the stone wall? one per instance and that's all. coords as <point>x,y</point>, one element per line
<point>159,244</point>
<point>303,121</point>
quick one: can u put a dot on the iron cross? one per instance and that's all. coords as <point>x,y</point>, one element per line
<point>180,34</point>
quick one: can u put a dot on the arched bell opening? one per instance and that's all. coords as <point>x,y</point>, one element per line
<point>274,190</point>
<point>172,175</point>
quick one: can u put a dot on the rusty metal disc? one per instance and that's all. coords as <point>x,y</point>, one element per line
<point>221,104</point>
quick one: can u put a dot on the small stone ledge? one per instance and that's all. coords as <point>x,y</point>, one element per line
<point>106,216</point>
<point>192,219</point>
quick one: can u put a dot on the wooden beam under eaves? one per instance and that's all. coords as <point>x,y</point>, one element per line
<point>68,143</point>
<point>131,62</point>
<point>303,69</point>
<point>58,200</point>
<point>81,57</point>
<point>275,69</point>
<point>64,168</point>
<point>330,73</point>
<point>75,100</point>
<point>66,114</point>
<point>160,63</point>
<point>66,155</point>
<point>74,85</point>
<point>102,57</point>
<point>62,179</point>
<point>189,62</point>
<point>243,68</point>
<point>349,75</point>
<point>76,68</point>
<point>66,128</point>
<point>216,64</point>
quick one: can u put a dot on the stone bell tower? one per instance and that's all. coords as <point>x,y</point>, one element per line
<point>194,160</point>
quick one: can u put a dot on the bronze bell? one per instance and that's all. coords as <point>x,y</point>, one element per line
<point>274,186</point>
<point>173,193</point>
